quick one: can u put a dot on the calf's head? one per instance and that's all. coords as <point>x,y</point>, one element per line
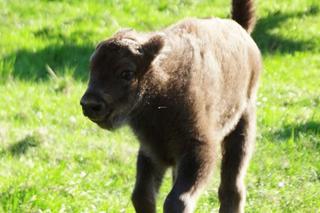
<point>117,67</point>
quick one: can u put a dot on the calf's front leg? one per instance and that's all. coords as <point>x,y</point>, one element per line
<point>148,180</point>
<point>193,171</point>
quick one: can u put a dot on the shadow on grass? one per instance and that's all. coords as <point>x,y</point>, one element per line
<point>295,130</point>
<point>68,57</point>
<point>63,59</point>
<point>21,147</point>
<point>64,56</point>
<point>269,43</point>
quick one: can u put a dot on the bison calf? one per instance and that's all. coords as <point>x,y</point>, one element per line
<point>184,91</point>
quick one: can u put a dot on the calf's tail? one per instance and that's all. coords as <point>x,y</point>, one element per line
<point>243,12</point>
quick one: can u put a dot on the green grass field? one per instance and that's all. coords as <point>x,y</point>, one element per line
<point>52,159</point>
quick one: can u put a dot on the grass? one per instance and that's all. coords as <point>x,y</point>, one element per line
<point>52,159</point>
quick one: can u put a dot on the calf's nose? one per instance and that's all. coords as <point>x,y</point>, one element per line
<point>92,107</point>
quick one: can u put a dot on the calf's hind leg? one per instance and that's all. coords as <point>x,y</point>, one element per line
<point>236,152</point>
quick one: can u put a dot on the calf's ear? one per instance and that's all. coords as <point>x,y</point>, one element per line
<point>151,48</point>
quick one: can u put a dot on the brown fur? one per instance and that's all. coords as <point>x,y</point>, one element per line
<point>243,13</point>
<point>184,91</point>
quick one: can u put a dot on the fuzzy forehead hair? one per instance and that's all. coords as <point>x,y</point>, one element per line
<point>144,45</point>
<point>116,45</point>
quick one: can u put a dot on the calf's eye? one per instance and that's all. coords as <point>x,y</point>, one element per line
<point>126,75</point>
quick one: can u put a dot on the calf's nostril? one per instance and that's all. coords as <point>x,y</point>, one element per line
<point>96,107</point>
